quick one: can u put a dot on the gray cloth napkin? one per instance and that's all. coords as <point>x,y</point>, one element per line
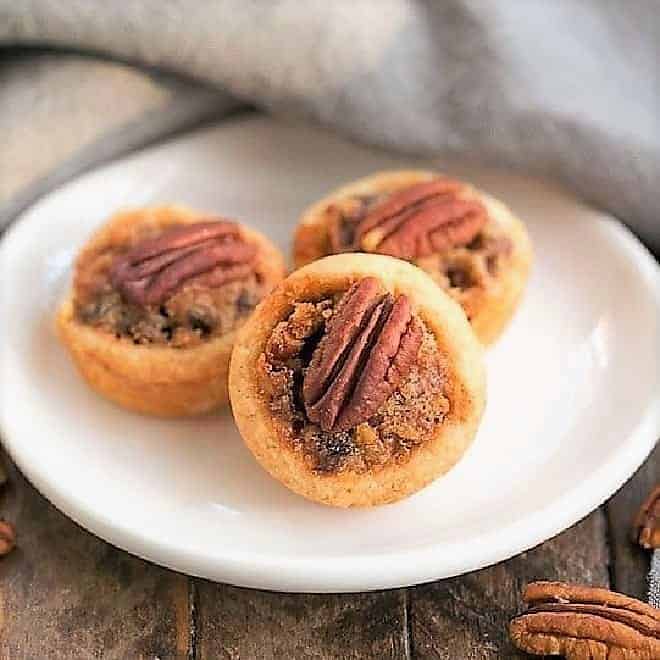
<point>568,89</point>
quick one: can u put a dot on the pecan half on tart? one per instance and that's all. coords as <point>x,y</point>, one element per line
<point>357,381</point>
<point>158,294</point>
<point>468,242</point>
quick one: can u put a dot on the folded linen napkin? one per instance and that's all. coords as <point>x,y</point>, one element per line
<point>568,89</point>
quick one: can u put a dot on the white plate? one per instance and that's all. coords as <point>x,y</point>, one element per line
<point>574,402</point>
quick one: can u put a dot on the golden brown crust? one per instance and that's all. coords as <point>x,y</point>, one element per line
<point>489,309</point>
<point>158,379</point>
<point>465,388</point>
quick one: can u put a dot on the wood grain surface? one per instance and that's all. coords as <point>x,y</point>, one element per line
<point>66,594</point>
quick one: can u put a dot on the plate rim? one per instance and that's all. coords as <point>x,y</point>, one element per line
<point>341,574</point>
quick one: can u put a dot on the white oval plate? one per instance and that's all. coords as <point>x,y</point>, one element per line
<point>574,404</point>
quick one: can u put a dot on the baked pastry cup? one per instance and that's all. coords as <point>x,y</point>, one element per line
<point>467,241</point>
<point>157,296</point>
<point>357,381</point>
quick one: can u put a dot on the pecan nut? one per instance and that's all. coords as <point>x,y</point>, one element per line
<point>580,622</point>
<point>214,252</point>
<point>368,347</point>
<point>7,538</point>
<point>420,220</point>
<point>646,527</point>
<point>3,475</point>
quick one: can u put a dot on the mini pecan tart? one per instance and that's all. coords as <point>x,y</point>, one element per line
<point>157,296</point>
<point>357,381</point>
<point>468,242</point>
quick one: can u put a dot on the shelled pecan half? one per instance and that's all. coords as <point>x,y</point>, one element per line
<point>646,527</point>
<point>7,538</point>
<point>581,622</point>
<point>420,220</point>
<point>154,269</point>
<point>368,347</point>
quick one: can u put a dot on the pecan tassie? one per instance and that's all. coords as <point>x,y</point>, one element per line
<point>646,527</point>
<point>357,379</point>
<point>179,287</point>
<point>581,622</point>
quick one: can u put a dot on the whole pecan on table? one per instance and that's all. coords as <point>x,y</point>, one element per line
<point>214,251</point>
<point>646,533</point>
<point>646,527</point>
<point>7,538</point>
<point>420,220</point>
<point>7,531</point>
<point>368,347</point>
<point>581,622</point>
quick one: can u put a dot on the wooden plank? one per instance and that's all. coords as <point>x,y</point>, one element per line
<point>243,624</point>
<point>66,594</point>
<point>467,617</point>
<point>629,562</point>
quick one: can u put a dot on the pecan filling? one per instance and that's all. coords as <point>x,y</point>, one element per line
<point>453,239</point>
<point>180,287</point>
<point>357,380</point>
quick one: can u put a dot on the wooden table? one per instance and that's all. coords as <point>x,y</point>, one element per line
<point>67,594</point>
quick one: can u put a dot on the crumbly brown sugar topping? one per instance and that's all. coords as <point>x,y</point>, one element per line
<point>433,224</point>
<point>179,287</point>
<point>357,379</point>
